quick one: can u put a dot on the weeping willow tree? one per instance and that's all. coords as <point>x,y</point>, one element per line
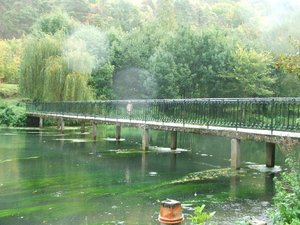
<point>55,79</point>
<point>74,82</point>
<point>33,65</point>
<point>50,73</point>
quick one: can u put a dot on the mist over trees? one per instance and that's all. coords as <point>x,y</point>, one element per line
<point>115,49</point>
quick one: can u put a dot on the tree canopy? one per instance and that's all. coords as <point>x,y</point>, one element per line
<point>108,49</point>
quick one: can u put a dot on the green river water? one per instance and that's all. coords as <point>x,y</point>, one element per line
<point>52,178</point>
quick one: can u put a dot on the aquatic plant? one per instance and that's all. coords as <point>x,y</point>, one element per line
<point>206,175</point>
<point>201,217</point>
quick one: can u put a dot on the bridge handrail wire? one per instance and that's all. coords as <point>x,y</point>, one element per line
<point>256,113</point>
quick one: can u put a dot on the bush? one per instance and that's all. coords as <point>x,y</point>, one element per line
<point>287,197</point>
<point>8,90</point>
<point>13,115</point>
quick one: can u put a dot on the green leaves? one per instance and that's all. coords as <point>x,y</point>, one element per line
<point>13,115</point>
<point>200,217</point>
<point>50,72</point>
<point>53,23</point>
<point>10,60</point>
<point>291,62</point>
<point>287,197</point>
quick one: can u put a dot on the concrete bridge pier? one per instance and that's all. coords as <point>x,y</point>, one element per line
<point>41,122</point>
<point>235,153</point>
<point>82,128</point>
<point>145,139</point>
<point>118,132</point>
<point>173,140</point>
<point>62,125</point>
<point>94,130</point>
<point>270,154</point>
<point>58,124</point>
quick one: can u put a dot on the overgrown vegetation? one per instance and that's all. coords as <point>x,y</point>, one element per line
<point>13,115</point>
<point>287,197</point>
<point>155,49</point>
<point>8,91</point>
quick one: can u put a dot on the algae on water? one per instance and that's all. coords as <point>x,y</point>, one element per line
<point>206,175</point>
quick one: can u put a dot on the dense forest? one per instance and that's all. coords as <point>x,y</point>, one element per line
<point>59,50</point>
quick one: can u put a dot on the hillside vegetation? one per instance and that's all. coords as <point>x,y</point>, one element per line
<point>117,49</point>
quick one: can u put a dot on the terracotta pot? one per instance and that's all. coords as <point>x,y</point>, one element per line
<point>170,212</point>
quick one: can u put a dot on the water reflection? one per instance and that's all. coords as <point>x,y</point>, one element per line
<point>234,182</point>
<point>173,157</point>
<point>143,163</point>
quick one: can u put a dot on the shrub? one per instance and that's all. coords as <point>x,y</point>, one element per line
<point>13,115</point>
<point>287,197</point>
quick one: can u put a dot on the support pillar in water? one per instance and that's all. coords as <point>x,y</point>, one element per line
<point>58,124</point>
<point>173,140</point>
<point>235,153</point>
<point>118,132</point>
<point>270,154</point>
<point>82,128</point>
<point>94,131</point>
<point>62,125</point>
<point>41,122</point>
<point>145,139</point>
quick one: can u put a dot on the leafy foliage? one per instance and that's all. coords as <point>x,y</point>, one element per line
<point>53,23</point>
<point>10,52</point>
<point>101,81</point>
<point>291,62</point>
<point>200,217</point>
<point>8,90</point>
<point>13,115</point>
<point>287,197</point>
<point>50,74</point>
<point>162,49</point>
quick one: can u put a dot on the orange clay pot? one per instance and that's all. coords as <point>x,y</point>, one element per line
<point>170,212</point>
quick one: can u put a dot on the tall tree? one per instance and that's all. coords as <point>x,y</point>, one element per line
<point>77,9</point>
<point>46,74</point>
<point>17,16</point>
<point>291,62</point>
<point>10,52</point>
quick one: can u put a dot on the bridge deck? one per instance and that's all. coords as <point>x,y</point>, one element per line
<point>241,133</point>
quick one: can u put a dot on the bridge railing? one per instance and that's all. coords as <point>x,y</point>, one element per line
<point>257,113</point>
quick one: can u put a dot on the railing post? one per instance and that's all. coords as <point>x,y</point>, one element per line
<point>288,116</point>
<point>163,115</point>
<point>208,113</point>
<point>272,116</point>
<point>236,115</point>
<point>144,111</point>
<point>293,121</point>
<point>183,108</point>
